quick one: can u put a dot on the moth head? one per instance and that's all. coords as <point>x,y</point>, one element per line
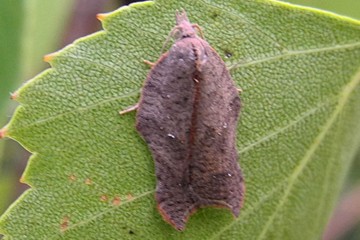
<point>183,27</point>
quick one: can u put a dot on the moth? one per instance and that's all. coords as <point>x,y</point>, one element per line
<point>187,114</point>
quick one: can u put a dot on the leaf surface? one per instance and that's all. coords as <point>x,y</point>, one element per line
<point>91,174</point>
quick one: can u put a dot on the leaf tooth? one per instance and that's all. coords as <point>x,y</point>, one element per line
<point>14,96</point>
<point>101,16</point>
<point>49,57</point>
<point>22,179</point>
<point>3,132</point>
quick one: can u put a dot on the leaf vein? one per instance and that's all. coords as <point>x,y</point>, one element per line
<point>286,54</point>
<point>343,97</point>
<point>110,209</point>
<point>100,64</point>
<point>79,109</point>
<point>287,126</point>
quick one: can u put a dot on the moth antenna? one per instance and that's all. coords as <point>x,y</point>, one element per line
<point>197,27</point>
<point>171,34</point>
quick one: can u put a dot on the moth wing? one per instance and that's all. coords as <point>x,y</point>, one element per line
<point>216,177</point>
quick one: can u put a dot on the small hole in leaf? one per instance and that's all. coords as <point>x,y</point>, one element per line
<point>228,54</point>
<point>64,223</point>
<point>88,181</point>
<point>214,15</point>
<point>116,201</point>
<point>130,197</point>
<point>103,198</point>
<point>72,177</point>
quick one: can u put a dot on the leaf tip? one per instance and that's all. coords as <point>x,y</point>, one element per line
<point>101,16</point>
<point>3,132</point>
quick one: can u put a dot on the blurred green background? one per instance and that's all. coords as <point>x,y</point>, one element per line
<point>33,28</point>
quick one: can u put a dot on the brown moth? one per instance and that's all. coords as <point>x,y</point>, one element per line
<point>187,114</point>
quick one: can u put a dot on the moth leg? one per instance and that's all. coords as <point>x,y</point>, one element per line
<point>240,91</point>
<point>151,64</point>
<point>129,109</point>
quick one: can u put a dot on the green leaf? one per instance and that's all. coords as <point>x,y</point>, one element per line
<point>92,175</point>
